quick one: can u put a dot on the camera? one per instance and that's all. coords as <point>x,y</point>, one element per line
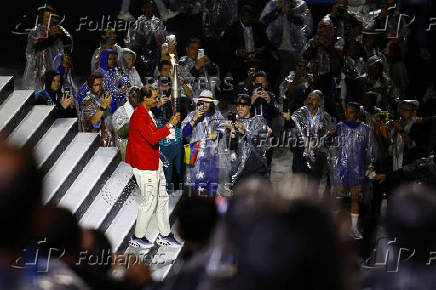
<point>231,117</point>
<point>232,142</point>
<point>258,85</point>
<point>166,93</point>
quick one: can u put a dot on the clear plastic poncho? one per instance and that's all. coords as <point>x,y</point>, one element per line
<point>204,174</point>
<point>145,38</point>
<point>120,118</point>
<point>351,153</point>
<point>41,50</point>
<point>67,75</point>
<point>253,143</point>
<point>89,107</point>
<point>204,81</point>
<point>95,59</point>
<point>134,78</point>
<point>311,135</point>
<point>217,16</point>
<point>299,24</point>
<point>113,81</point>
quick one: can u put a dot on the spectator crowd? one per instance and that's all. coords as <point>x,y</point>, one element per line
<point>210,116</point>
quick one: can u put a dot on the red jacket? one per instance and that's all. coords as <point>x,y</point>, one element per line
<point>142,150</point>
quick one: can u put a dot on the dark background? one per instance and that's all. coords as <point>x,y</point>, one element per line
<point>12,53</point>
<point>12,57</point>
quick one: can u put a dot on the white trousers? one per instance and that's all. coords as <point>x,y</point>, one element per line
<point>155,198</point>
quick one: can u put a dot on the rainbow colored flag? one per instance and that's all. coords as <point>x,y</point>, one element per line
<point>191,152</point>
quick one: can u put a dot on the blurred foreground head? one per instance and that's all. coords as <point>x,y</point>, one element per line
<point>273,243</point>
<point>20,194</point>
<point>411,219</point>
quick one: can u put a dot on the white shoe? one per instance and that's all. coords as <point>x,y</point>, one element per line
<point>140,243</point>
<point>168,241</point>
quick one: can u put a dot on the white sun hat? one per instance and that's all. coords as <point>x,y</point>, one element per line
<point>206,96</point>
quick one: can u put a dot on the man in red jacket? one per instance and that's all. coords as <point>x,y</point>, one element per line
<point>142,154</point>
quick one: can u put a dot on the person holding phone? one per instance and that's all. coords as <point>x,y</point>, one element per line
<point>251,135</point>
<point>203,128</point>
<point>46,40</point>
<point>197,64</point>
<point>96,111</point>
<point>52,95</point>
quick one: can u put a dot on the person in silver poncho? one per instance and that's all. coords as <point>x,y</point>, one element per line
<point>126,61</point>
<point>145,38</point>
<point>203,128</point>
<point>289,26</point>
<point>247,138</point>
<point>201,68</point>
<point>312,125</point>
<point>108,40</point>
<point>351,157</point>
<point>121,118</point>
<point>45,41</point>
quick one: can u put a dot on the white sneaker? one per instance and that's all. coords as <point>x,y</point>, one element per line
<point>140,242</point>
<point>168,241</point>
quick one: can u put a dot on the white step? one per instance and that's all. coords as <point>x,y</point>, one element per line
<point>6,87</point>
<point>107,197</point>
<point>88,178</point>
<point>30,124</point>
<point>162,262</point>
<point>12,106</point>
<point>126,218</point>
<point>60,171</point>
<point>4,80</point>
<point>48,143</point>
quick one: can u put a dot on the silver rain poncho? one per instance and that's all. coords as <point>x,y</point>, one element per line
<point>134,78</point>
<point>95,59</point>
<point>312,134</point>
<point>204,81</point>
<point>217,16</point>
<point>299,24</point>
<point>120,118</point>
<point>145,38</point>
<point>254,141</point>
<point>39,60</point>
<point>204,174</point>
<point>351,153</point>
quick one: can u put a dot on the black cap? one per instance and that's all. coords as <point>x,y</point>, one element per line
<point>243,100</point>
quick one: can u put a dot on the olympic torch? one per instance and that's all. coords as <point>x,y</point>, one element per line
<point>175,88</point>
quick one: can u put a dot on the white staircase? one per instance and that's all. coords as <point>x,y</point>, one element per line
<point>90,181</point>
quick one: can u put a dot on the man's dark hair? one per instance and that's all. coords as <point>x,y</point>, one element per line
<point>92,78</point>
<point>246,8</point>
<point>145,92</point>
<point>193,40</point>
<point>261,74</point>
<point>162,63</point>
<point>356,105</point>
<point>411,219</point>
<point>197,216</point>
<point>20,194</point>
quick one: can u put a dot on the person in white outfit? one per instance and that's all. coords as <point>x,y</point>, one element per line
<point>142,154</point>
